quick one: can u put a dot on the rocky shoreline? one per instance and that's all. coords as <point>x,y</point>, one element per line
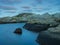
<point>12,22</point>
<point>50,36</point>
<point>38,27</point>
<point>35,27</point>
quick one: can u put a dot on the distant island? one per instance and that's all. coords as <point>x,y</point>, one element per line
<point>32,18</point>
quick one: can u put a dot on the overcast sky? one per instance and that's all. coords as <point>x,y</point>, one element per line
<point>14,7</point>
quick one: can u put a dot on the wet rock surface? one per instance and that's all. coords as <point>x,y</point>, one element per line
<point>18,31</point>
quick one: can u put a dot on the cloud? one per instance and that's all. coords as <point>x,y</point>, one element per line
<point>26,7</point>
<point>28,10</point>
<point>7,8</point>
<point>10,11</point>
<point>10,1</point>
<point>38,1</point>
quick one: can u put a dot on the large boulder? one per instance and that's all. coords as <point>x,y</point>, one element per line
<point>35,27</point>
<point>49,37</point>
<point>18,31</point>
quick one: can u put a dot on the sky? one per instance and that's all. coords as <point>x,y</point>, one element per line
<point>14,7</point>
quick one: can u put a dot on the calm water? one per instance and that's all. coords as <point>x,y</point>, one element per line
<point>7,37</point>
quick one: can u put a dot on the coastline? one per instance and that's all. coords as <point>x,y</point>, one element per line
<point>12,22</point>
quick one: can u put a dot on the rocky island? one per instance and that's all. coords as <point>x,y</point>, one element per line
<point>18,31</point>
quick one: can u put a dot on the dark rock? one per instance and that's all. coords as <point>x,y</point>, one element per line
<point>49,37</point>
<point>54,25</point>
<point>57,20</point>
<point>35,27</point>
<point>18,31</point>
